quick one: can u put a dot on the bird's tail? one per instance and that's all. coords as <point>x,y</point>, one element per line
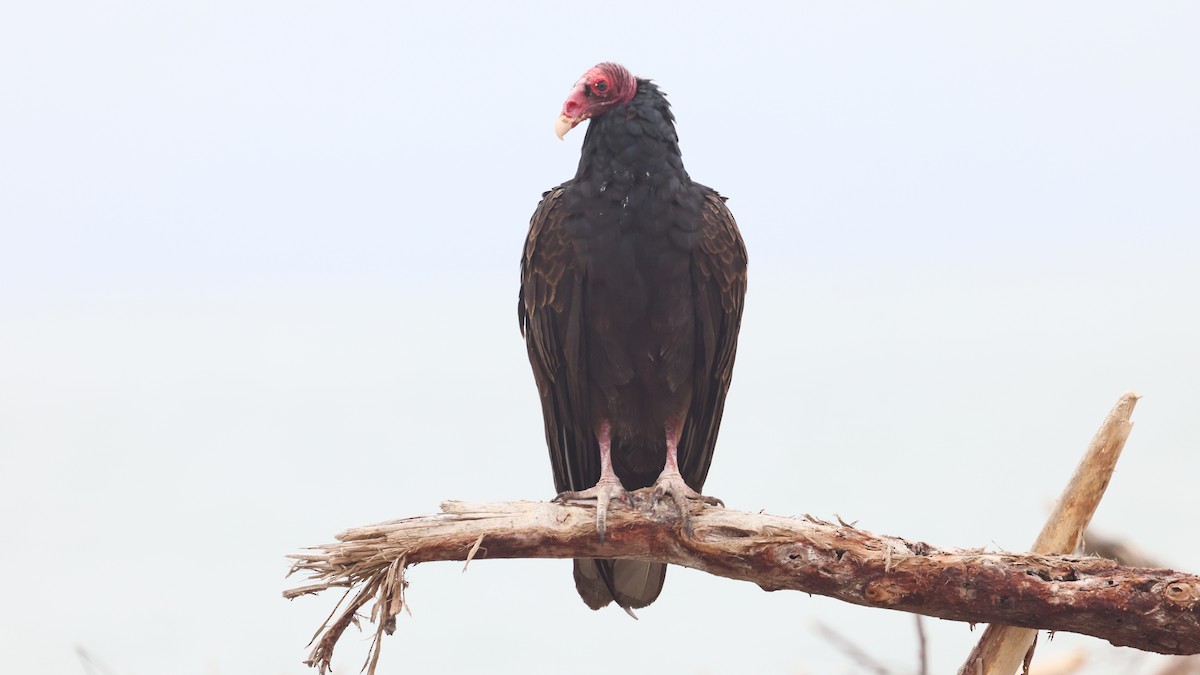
<point>632,583</point>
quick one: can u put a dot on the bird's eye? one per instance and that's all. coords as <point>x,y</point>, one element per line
<point>601,86</point>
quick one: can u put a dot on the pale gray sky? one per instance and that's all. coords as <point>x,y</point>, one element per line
<point>258,270</point>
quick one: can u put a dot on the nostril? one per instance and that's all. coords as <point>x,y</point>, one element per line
<point>571,109</point>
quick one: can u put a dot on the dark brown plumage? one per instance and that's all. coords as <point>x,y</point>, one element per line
<point>632,285</point>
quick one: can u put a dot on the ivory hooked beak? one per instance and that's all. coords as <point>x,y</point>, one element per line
<point>564,124</point>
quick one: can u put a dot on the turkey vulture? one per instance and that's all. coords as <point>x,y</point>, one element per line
<point>632,284</point>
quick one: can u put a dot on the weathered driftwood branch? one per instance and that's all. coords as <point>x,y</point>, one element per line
<point>1151,609</point>
<point>1003,648</point>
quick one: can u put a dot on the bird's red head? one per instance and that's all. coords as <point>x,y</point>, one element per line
<point>600,88</point>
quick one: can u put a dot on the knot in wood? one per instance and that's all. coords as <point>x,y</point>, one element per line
<point>1182,593</point>
<point>1064,573</point>
<point>883,592</point>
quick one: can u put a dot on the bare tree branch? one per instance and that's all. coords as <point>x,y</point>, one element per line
<point>1002,648</point>
<point>1116,549</point>
<point>853,651</point>
<point>922,655</point>
<point>1150,609</point>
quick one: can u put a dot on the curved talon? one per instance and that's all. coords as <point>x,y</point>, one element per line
<point>603,492</point>
<point>673,484</point>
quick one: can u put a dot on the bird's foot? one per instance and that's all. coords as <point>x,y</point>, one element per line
<point>603,492</point>
<point>671,483</point>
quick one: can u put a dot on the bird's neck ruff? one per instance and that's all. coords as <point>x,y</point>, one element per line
<point>635,141</point>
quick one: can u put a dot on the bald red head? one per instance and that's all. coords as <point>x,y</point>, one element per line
<point>601,88</point>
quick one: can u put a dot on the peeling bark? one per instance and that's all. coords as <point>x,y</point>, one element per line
<point>1154,610</point>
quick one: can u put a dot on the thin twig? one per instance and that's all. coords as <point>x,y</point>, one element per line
<point>922,656</point>
<point>851,650</point>
<point>90,662</point>
<point>472,552</point>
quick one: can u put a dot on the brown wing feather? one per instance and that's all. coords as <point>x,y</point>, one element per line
<point>550,311</point>
<point>719,278</point>
<point>549,308</point>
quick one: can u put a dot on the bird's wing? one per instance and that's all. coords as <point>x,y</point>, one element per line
<point>550,311</point>
<point>719,279</point>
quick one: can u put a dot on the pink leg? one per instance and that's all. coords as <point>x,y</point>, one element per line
<point>608,487</point>
<point>670,482</point>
